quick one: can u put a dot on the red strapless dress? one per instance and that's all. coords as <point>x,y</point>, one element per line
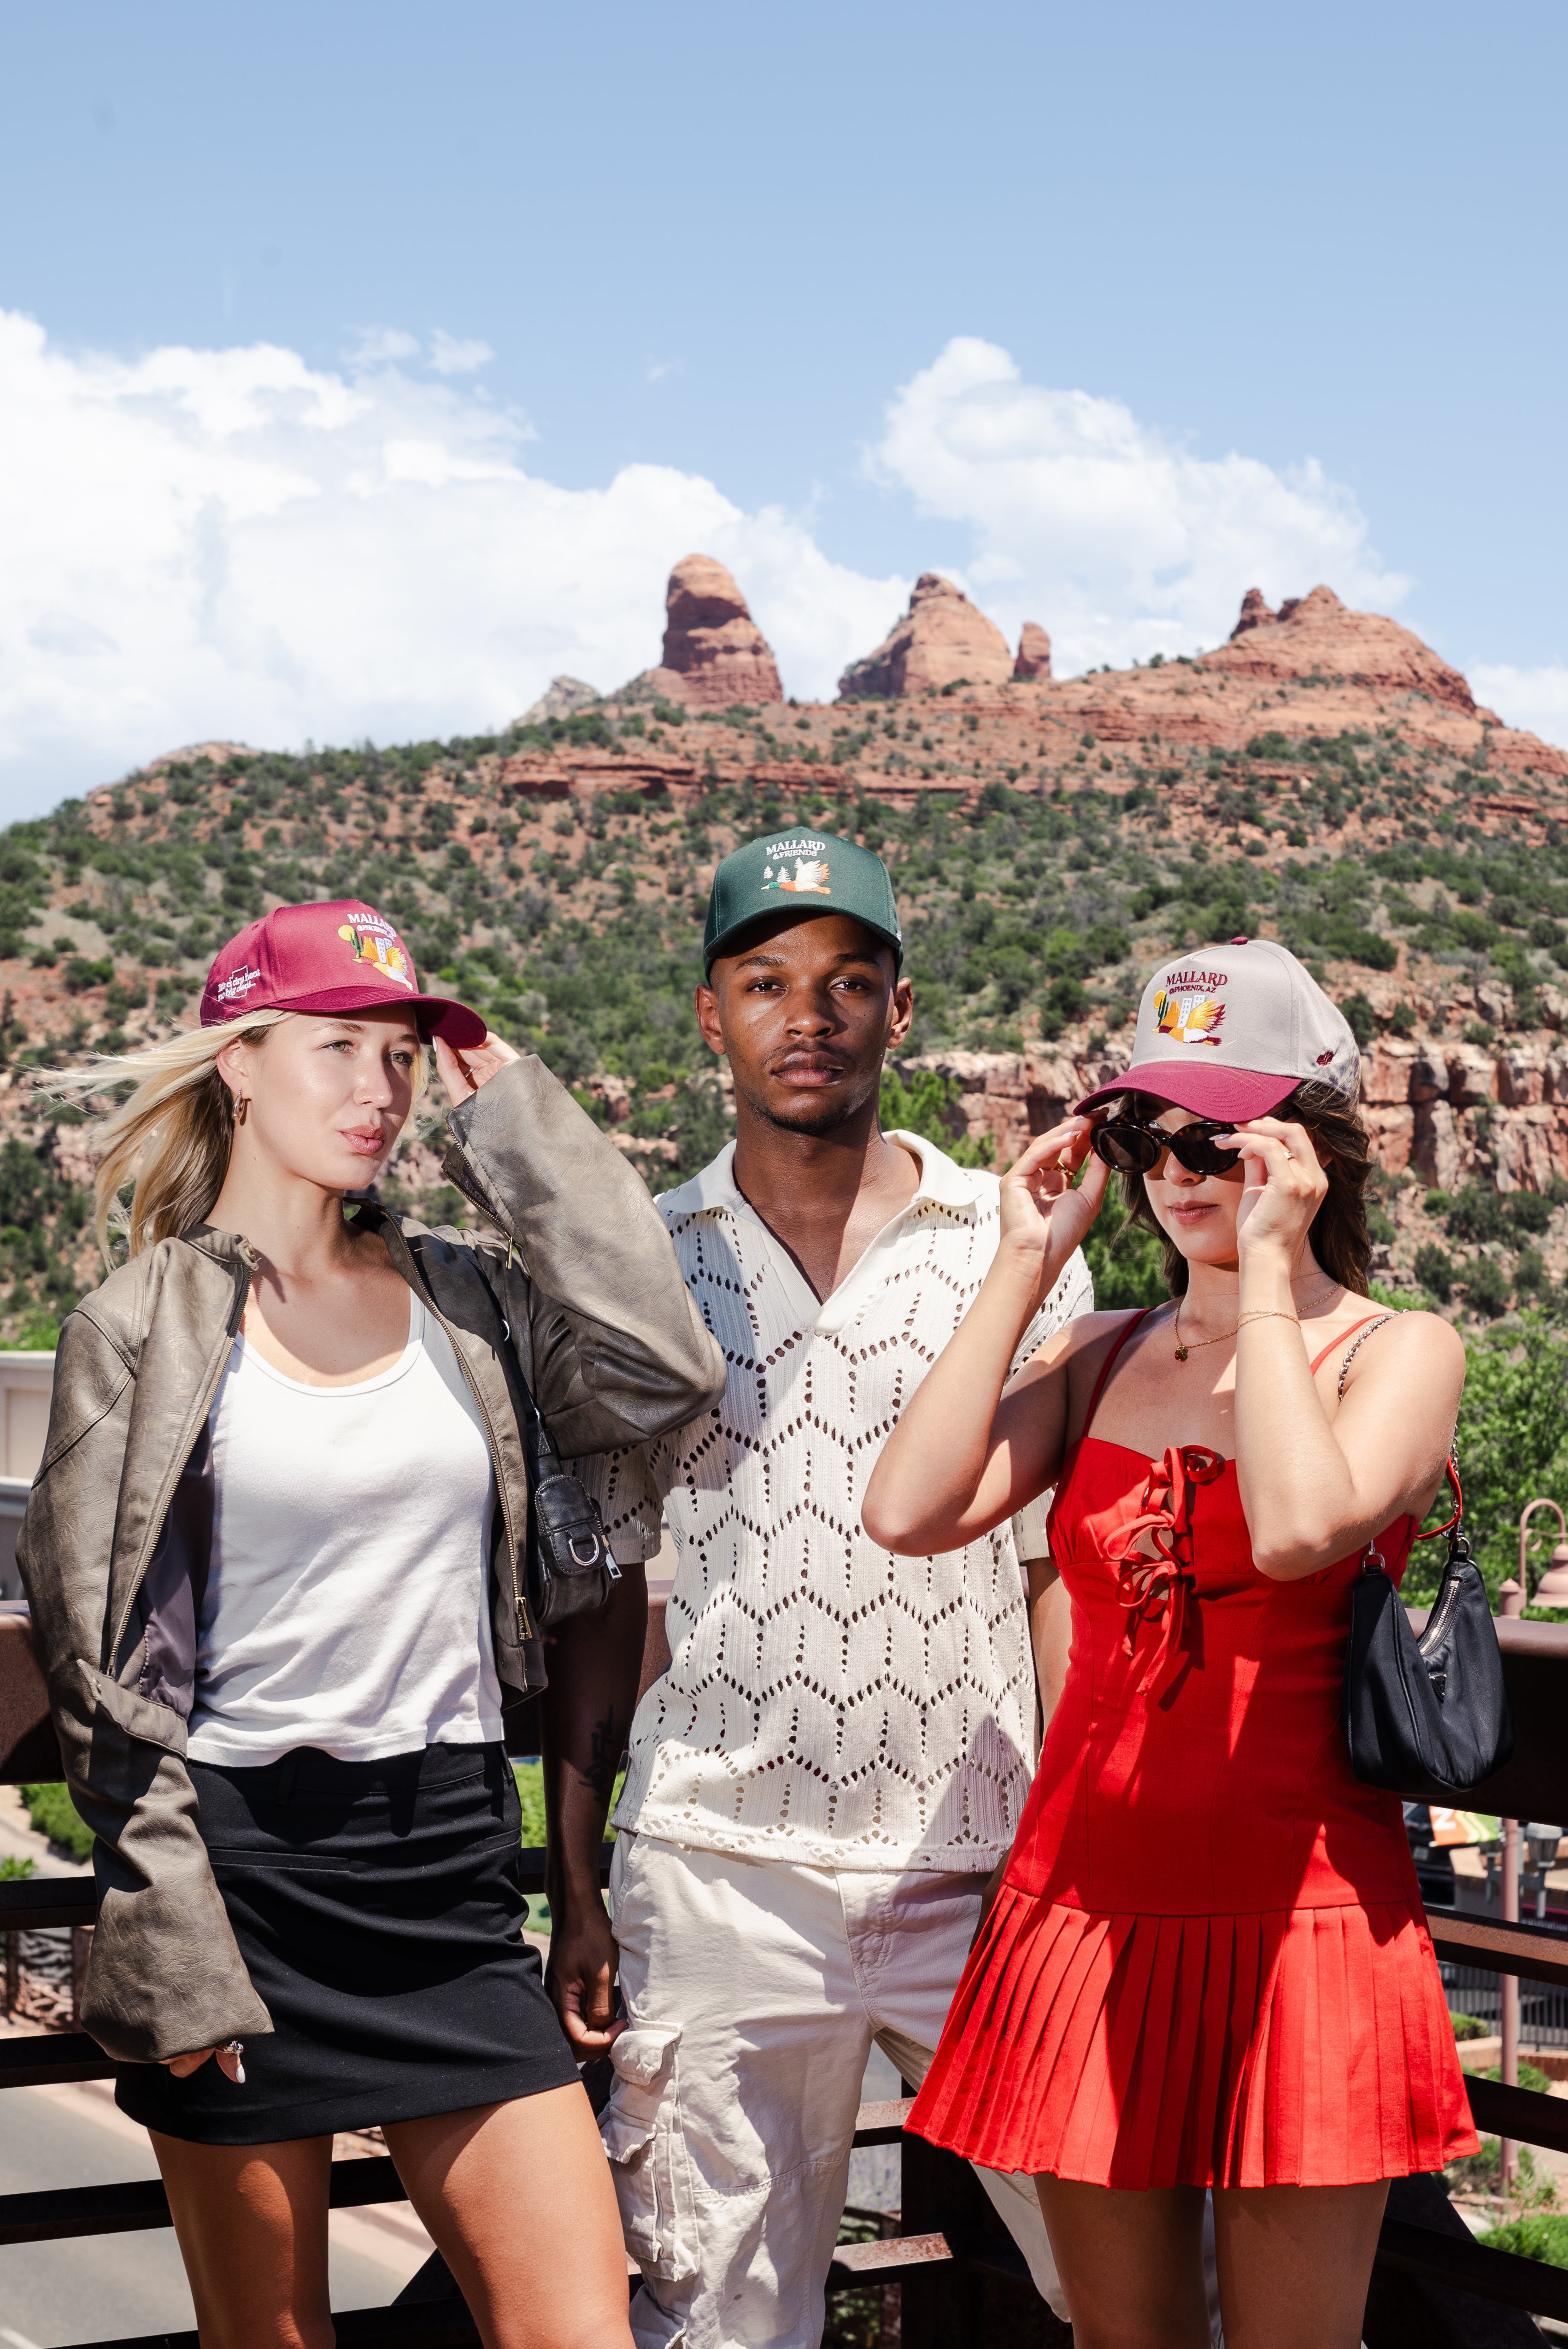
<point>1207,1964</point>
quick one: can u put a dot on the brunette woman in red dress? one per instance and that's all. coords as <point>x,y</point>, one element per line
<point>1205,1964</point>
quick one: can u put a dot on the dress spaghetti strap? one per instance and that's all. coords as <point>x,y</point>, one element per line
<point>1123,1335</point>
<point>1365,1323</point>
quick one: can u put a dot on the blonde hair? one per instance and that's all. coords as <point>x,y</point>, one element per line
<point>172,1137</point>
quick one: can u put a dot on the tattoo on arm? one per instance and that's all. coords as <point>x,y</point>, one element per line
<point>599,1777</point>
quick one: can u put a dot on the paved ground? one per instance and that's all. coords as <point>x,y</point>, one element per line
<point>112,2287</point>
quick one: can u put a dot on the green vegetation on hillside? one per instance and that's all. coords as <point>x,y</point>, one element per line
<point>1033,911</point>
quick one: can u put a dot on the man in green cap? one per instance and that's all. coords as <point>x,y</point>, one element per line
<point>837,1756</point>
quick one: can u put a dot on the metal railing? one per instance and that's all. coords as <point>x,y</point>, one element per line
<point>973,2286</point>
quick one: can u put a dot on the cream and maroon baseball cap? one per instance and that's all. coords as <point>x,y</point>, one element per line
<point>1230,1032</point>
<point>340,956</point>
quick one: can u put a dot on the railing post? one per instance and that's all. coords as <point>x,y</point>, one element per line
<point>1506,2159</point>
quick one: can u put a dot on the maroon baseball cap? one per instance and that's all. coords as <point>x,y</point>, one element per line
<point>336,957</point>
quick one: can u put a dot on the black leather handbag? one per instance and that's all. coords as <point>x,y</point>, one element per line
<point>569,1569</point>
<point>1431,1710</point>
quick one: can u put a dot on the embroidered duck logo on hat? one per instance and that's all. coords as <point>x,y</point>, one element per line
<point>812,878</point>
<point>1189,1019</point>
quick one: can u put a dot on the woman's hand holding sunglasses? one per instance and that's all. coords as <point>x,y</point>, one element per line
<point>1282,1188</point>
<point>1044,1217</point>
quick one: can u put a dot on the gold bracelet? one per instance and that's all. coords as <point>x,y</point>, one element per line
<point>1268,1313</point>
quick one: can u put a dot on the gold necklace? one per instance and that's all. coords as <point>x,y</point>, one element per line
<point>1198,1343</point>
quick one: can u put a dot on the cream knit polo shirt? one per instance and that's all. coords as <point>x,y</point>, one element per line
<point>826,1702</point>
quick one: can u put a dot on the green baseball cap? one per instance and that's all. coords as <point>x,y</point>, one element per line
<point>806,873</point>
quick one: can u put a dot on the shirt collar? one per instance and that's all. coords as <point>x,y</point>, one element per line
<point>941,1181</point>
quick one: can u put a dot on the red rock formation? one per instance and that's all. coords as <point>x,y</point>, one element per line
<point>1034,653</point>
<point>941,639</point>
<point>1317,632</point>
<point>715,653</point>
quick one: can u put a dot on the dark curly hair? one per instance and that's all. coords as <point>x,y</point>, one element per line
<point>1339,1237</point>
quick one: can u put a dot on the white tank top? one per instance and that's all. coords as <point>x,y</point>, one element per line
<point>347,1602</point>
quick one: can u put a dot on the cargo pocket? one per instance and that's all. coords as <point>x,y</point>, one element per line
<point>642,2133</point>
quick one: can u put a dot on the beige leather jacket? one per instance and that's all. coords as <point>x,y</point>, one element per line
<point>581,1282</point>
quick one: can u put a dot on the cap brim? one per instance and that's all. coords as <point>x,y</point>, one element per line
<point>438,1015</point>
<point>1208,1092</point>
<point>728,940</point>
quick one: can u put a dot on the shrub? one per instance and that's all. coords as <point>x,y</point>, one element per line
<point>52,1813</point>
<point>927,1104</point>
<point>1402,1020</point>
<point>1434,1270</point>
<point>1470,2026</point>
<point>1476,1215</point>
<point>1528,1211</point>
<point>1486,1286</point>
<point>1362,1017</point>
<point>1541,2235</point>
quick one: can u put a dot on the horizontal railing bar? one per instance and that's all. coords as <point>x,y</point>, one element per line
<point>57,2213</point>
<point>1467,2266</point>
<point>881,2123</point>
<point>36,1902</point>
<point>51,2215</point>
<point>886,2257</point>
<point>33,1902</point>
<point>1538,1951</point>
<point>1528,2115</point>
<point>44,2059</point>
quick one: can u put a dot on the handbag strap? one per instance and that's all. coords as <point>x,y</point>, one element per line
<point>1365,1330</point>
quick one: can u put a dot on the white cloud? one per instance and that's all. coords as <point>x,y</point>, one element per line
<point>1535,698</point>
<point>232,544</point>
<point>449,355</point>
<point>381,346</point>
<point>1106,531</point>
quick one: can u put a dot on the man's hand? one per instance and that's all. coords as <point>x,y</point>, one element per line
<point>580,1976</point>
<point>463,1073</point>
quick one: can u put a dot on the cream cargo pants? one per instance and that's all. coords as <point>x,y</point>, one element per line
<point>755,1989</point>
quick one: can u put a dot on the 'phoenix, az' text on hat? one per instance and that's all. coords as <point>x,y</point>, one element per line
<point>1230,1031</point>
<point>337,957</point>
<point>805,873</point>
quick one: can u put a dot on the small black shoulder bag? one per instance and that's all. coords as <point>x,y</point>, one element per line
<point>568,1569</point>
<point>1432,1710</point>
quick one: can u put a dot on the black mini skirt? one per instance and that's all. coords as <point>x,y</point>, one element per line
<point>377,1908</point>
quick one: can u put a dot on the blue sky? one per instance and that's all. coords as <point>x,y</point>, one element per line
<point>365,365</point>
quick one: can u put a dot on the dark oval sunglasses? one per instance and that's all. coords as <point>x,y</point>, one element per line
<point>1130,1148</point>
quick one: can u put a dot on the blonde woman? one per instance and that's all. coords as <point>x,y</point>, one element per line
<point>274,1559</point>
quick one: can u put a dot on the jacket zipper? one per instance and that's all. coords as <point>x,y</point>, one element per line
<point>526,1627</point>
<point>182,1454</point>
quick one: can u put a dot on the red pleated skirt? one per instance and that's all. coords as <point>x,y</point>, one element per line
<point>1306,2046</point>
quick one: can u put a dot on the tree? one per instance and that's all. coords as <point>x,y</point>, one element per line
<point>926,1103</point>
<point>1512,1444</point>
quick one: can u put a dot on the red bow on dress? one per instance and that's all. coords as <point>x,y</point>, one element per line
<point>1166,1582</point>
